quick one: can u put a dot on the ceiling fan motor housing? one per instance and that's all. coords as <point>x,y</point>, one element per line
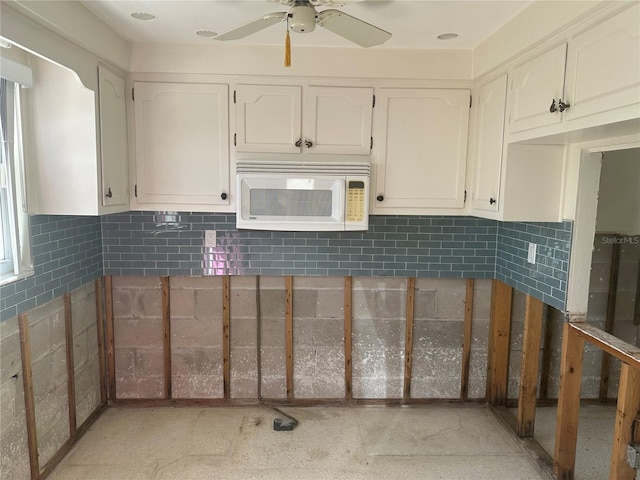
<point>302,19</point>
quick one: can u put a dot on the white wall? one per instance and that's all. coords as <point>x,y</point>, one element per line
<point>619,195</point>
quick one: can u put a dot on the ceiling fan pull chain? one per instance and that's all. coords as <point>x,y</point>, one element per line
<point>287,47</point>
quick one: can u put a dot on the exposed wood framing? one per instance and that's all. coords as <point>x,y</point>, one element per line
<point>111,355</point>
<point>564,458</point>
<point>499,339</point>
<point>627,411</point>
<point>623,351</point>
<point>29,401</point>
<point>610,318</point>
<point>289,334</point>
<point>226,335</point>
<point>71,378</point>
<point>466,340</point>
<point>166,333</point>
<point>100,327</point>
<point>408,338</point>
<point>529,367</point>
<point>545,368</point>
<point>348,366</point>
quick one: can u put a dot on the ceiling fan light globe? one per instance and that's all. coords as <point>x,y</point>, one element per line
<point>302,19</point>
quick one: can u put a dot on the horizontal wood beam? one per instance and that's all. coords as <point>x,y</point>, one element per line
<point>623,351</point>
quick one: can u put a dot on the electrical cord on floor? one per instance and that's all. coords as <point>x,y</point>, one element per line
<point>279,424</point>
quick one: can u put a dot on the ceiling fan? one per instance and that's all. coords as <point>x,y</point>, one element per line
<point>303,18</point>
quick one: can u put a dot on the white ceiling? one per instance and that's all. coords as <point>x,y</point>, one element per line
<point>413,23</point>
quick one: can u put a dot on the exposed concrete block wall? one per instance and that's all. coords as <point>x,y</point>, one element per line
<point>49,369</point>
<point>379,312</point>
<point>273,337</point>
<point>137,306</point>
<point>85,352</point>
<point>14,452</point>
<point>196,337</point>
<point>318,337</point>
<point>244,337</point>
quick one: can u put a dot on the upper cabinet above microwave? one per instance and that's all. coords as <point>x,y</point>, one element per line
<point>297,119</point>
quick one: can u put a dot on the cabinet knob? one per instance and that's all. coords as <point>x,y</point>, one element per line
<point>553,107</point>
<point>298,143</point>
<point>109,194</point>
<point>563,106</point>
<point>380,198</point>
<point>308,143</point>
<point>492,201</point>
<point>223,196</point>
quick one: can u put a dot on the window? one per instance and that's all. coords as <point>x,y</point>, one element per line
<point>15,248</point>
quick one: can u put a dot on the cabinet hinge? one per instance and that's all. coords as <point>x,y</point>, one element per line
<point>133,94</point>
<point>235,144</point>
<point>470,100</point>
<point>135,190</point>
<point>371,144</point>
<point>374,102</point>
<point>234,96</point>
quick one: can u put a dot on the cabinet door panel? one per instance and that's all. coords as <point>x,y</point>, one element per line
<point>339,120</point>
<point>603,66</point>
<point>534,85</point>
<point>489,144</point>
<point>113,139</point>
<point>182,154</point>
<point>423,148</point>
<point>268,118</point>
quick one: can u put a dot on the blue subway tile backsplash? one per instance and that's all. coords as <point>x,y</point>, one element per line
<point>67,253</point>
<point>70,251</point>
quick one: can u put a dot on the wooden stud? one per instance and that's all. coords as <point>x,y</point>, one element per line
<point>499,342</point>
<point>100,328</point>
<point>29,402</point>
<point>71,377</point>
<point>636,310</point>
<point>289,334</point>
<point>627,411</point>
<point>166,334</point>
<point>226,335</point>
<point>529,368</point>
<point>348,366</point>
<point>408,338</point>
<point>547,349</point>
<point>610,318</point>
<point>111,353</point>
<point>466,340</point>
<point>564,458</point>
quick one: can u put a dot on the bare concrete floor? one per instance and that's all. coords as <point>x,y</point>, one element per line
<point>329,443</point>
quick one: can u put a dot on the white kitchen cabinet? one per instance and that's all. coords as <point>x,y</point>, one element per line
<point>603,69</point>
<point>489,142</point>
<point>113,139</point>
<point>536,88</point>
<point>420,154</point>
<point>590,81</point>
<point>295,119</point>
<point>76,146</point>
<point>181,146</point>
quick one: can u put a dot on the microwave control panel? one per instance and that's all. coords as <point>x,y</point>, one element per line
<point>355,201</point>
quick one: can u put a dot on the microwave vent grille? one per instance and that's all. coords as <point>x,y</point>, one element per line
<point>307,168</point>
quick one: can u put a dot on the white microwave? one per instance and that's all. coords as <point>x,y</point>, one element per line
<point>311,196</point>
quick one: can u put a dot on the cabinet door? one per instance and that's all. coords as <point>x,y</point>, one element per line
<point>422,151</point>
<point>182,152</point>
<point>489,142</point>
<point>603,67</point>
<point>339,120</point>
<point>113,139</point>
<point>534,86</point>
<point>268,118</point>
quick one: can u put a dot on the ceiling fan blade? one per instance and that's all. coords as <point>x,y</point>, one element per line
<point>253,26</point>
<point>352,28</point>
